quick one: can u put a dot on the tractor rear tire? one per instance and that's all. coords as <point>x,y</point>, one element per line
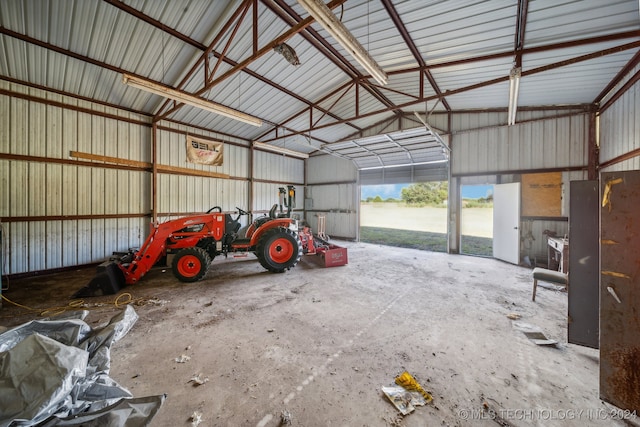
<point>279,249</point>
<point>191,264</point>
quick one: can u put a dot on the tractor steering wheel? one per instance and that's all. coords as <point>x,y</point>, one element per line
<point>214,208</point>
<point>240,213</point>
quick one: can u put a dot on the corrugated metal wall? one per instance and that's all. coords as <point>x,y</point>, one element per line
<point>549,143</point>
<point>460,122</point>
<point>479,120</point>
<point>620,130</point>
<point>64,212</point>
<point>178,195</point>
<point>499,154</point>
<point>58,209</point>
<point>483,150</point>
<point>332,190</point>
<point>487,151</point>
<point>272,171</point>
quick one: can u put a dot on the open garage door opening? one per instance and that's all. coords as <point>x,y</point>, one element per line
<point>403,177</point>
<point>477,220</point>
<point>405,215</point>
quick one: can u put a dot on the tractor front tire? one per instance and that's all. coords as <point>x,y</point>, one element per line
<point>191,264</point>
<point>279,249</point>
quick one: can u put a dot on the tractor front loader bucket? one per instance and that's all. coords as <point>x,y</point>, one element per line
<point>109,279</point>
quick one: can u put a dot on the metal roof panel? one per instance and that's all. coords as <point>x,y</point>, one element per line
<point>442,31</point>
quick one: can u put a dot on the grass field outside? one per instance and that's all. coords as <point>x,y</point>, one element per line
<point>425,228</point>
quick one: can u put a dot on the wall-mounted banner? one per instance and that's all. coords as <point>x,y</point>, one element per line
<point>204,152</point>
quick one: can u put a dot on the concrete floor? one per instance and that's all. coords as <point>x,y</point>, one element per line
<point>320,343</point>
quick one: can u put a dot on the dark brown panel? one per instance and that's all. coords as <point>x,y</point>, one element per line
<point>620,289</point>
<point>584,266</point>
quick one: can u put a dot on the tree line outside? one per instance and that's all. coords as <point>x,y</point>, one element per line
<point>418,195</point>
<point>430,198</point>
<point>434,194</point>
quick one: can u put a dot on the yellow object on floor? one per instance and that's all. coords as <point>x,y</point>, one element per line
<point>408,382</point>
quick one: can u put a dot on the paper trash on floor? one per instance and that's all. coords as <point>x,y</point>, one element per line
<point>407,394</point>
<point>535,334</point>
<point>56,373</point>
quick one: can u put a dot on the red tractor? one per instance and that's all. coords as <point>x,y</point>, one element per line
<point>194,241</point>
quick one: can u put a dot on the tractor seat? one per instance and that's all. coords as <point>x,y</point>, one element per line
<point>231,225</point>
<point>272,211</point>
